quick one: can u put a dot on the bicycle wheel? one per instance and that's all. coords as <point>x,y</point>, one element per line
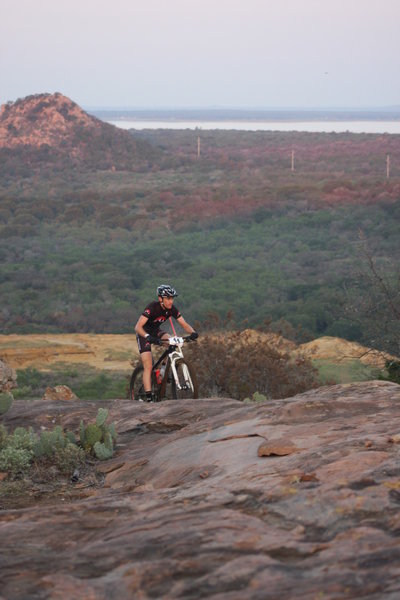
<point>136,389</point>
<point>166,390</point>
<point>186,387</point>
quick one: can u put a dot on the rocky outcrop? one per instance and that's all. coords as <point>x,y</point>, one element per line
<point>52,129</point>
<point>42,119</point>
<point>339,350</point>
<point>295,498</point>
<point>59,392</point>
<point>8,377</point>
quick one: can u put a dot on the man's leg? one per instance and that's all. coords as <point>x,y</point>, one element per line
<point>147,362</point>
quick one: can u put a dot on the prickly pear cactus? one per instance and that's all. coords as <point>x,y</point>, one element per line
<point>98,438</point>
<point>102,415</point>
<point>102,452</point>
<point>82,433</point>
<point>93,434</point>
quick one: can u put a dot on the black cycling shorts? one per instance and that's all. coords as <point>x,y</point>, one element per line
<point>144,345</point>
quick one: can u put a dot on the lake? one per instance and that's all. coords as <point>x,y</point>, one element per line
<point>308,126</point>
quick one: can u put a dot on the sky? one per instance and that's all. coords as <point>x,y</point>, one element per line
<point>203,53</point>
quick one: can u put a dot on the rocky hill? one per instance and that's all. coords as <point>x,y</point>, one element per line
<point>52,129</point>
<point>213,498</point>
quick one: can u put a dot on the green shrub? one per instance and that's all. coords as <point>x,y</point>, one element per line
<point>256,397</point>
<point>23,439</point>
<point>3,436</point>
<point>31,383</point>
<point>6,400</point>
<point>50,442</point>
<point>87,382</point>
<point>393,369</point>
<point>69,458</point>
<point>23,447</point>
<point>15,460</point>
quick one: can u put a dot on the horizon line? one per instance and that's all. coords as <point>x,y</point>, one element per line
<point>242,108</point>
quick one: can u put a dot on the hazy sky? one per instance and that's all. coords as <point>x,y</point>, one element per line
<point>202,53</point>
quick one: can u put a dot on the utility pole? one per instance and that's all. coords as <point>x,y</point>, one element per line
<point>387,166</point>
<point>292,160</point>
<point>198,147</point>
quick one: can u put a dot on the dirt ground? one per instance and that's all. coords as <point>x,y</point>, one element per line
<point>116,352</point>
<point>43,351</point>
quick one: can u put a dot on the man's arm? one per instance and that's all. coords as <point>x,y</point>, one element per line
<point>188,328</point>
<point>140,324</point>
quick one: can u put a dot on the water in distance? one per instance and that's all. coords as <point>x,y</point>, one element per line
<point>368,126</point>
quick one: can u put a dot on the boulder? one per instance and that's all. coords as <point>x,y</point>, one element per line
<point>8,377</point>
<point>59,392</point>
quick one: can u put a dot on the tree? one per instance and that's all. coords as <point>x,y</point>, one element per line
<point>375,300</point>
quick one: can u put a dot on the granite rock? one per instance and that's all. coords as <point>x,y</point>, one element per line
<point>188,508</point>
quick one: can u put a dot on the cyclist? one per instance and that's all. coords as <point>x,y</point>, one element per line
<point>148,330</point>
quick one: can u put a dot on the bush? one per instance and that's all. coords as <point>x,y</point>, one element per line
<point>6,399</point>
<point>23,448</point>
<point>237,363</point>
<point>393,371</point>
<point>15,460</point>
<point>3,436</point>
<point>69,458</point>
<point>22,439</point>
<point>87,383</point>
<point>50,442</point>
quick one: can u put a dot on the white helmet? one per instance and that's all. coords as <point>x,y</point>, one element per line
<point>166,291</point>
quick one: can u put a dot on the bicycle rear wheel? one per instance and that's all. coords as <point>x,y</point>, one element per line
<point>136,388</point>
<point>186,386</point>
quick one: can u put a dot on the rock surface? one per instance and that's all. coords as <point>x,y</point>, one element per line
<point>295,498</point>
<point>340,350</point>
<point>8,377</point>
<point>59,393</point>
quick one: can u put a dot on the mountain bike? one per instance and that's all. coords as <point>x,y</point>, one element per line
<point>172,377</point>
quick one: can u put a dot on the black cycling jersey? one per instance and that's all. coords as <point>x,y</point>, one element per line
<point>157,315</point>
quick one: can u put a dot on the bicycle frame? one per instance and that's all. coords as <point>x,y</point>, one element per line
<point>173,352</point>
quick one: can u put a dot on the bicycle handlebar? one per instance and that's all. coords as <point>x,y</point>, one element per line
<point>178,340</point>
<point>175,340</point>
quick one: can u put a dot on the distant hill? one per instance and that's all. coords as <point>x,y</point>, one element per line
<point>52,129</point>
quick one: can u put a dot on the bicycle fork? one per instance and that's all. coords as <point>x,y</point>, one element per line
<point>187,381</point>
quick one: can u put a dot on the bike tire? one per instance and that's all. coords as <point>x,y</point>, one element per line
<point>136,389</point>
<point>166,391</point>
<point>187,382</point>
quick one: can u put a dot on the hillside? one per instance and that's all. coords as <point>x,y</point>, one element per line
<point>214,498</point>
<point>92,218</point>
<point>51,129</point>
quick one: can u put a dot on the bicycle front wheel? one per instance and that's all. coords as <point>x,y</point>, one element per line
<point>136,388</point>
<point>186,385</point>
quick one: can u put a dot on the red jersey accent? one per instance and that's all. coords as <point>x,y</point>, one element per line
<point>157,315</point>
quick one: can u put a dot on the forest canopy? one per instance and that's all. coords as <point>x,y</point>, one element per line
<point>236,229</point>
